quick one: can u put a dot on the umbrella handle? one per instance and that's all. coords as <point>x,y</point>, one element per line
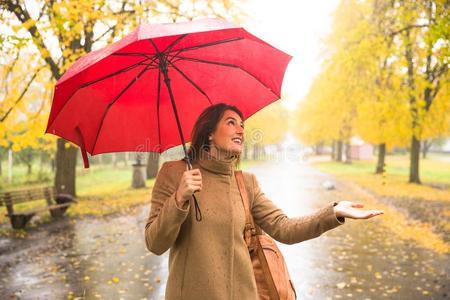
<point>198,213</point>
<point>188,162</point>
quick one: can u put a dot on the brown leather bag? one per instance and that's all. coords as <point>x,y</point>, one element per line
<point>271,273</point>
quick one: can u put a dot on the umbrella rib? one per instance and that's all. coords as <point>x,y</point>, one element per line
<point>159,88</point>
<point>128,68</point>
<point>191,81</point>
<point>94,81</point>
<point>224,65</point>
<point>168,49</point>
<point>176,41</point>
<point>148,56</point>
<point>134,80</point>
<point>206,45</point>
<point>131,54</point>
<point>207,61</point>
<point>114,74</point>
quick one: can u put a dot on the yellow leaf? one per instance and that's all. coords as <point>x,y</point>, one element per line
<point>341,285</point>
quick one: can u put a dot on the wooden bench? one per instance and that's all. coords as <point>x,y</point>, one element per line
<point>57,204</point>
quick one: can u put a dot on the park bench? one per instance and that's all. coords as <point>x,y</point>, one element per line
<point>57,204</point>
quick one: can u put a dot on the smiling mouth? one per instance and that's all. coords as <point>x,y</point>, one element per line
<point>237,141</point>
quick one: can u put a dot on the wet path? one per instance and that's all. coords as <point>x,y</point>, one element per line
<point>83,259</point>
<point>107,259</point>
<point>363,259</point>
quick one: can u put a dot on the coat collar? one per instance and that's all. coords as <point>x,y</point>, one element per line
<point>218,166</point>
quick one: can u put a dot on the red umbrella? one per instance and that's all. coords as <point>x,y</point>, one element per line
<point>136,94</point>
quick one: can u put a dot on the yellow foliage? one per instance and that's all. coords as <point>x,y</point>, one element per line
<point>362,87</point>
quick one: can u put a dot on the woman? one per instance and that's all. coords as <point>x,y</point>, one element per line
<point>209,259</point>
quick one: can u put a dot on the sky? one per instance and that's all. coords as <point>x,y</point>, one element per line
<point>297,28</point>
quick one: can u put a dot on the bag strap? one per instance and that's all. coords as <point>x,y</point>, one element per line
<point>250,233</point>
<point>249,229</point>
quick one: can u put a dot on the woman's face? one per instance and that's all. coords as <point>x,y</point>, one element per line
<point>229,134</point>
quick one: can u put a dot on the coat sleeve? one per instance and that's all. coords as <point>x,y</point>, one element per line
<point>287,230</point>
<point>165,218</point>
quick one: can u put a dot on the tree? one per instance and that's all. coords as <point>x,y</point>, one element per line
<point>385,78</point>
<point>424,32</point>
<point>23,92</point>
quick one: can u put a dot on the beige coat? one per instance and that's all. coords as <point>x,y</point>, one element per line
<point>209,259</point>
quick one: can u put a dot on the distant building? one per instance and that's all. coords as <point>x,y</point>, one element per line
<point>360,150</point>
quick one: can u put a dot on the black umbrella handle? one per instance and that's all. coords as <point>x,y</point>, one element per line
<point>198,213</point>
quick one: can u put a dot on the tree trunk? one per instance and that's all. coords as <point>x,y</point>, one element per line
<point>381,157</point>
<point>66,159</point>
<point>29,163</point>
<point>127,154</point>
<point>138,180</point>
<point>317,149</point>
<point>255,151</point>
<point>41,162</point>
<point>426,145</point>
<point>333,150</point>
<point>339,151</point>
<point>152,165</point>
<point>415,143</point>
<point>114,159</point>
<point>348,153</point>
<point>414,161</point>
<point>10,165</point>
<point>245,155</point>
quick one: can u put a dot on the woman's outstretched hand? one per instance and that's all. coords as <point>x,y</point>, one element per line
<point>353,210</point>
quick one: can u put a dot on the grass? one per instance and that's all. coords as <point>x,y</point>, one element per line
<point>434,174</point>
<point>38,177</point>
<point>406,229</point>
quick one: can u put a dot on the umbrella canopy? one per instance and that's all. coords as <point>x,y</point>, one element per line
<point>146,91</point>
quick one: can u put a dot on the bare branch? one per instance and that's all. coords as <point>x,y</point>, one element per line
<point>23,15</point>
<point>9,71</point>
<point>111,28</point>
<point>438,71</point>
<point>21,95</point>
<point>409,27</point>
<point>436,89</point>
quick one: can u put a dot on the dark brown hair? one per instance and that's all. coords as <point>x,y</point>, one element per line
<point>207,124</point>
